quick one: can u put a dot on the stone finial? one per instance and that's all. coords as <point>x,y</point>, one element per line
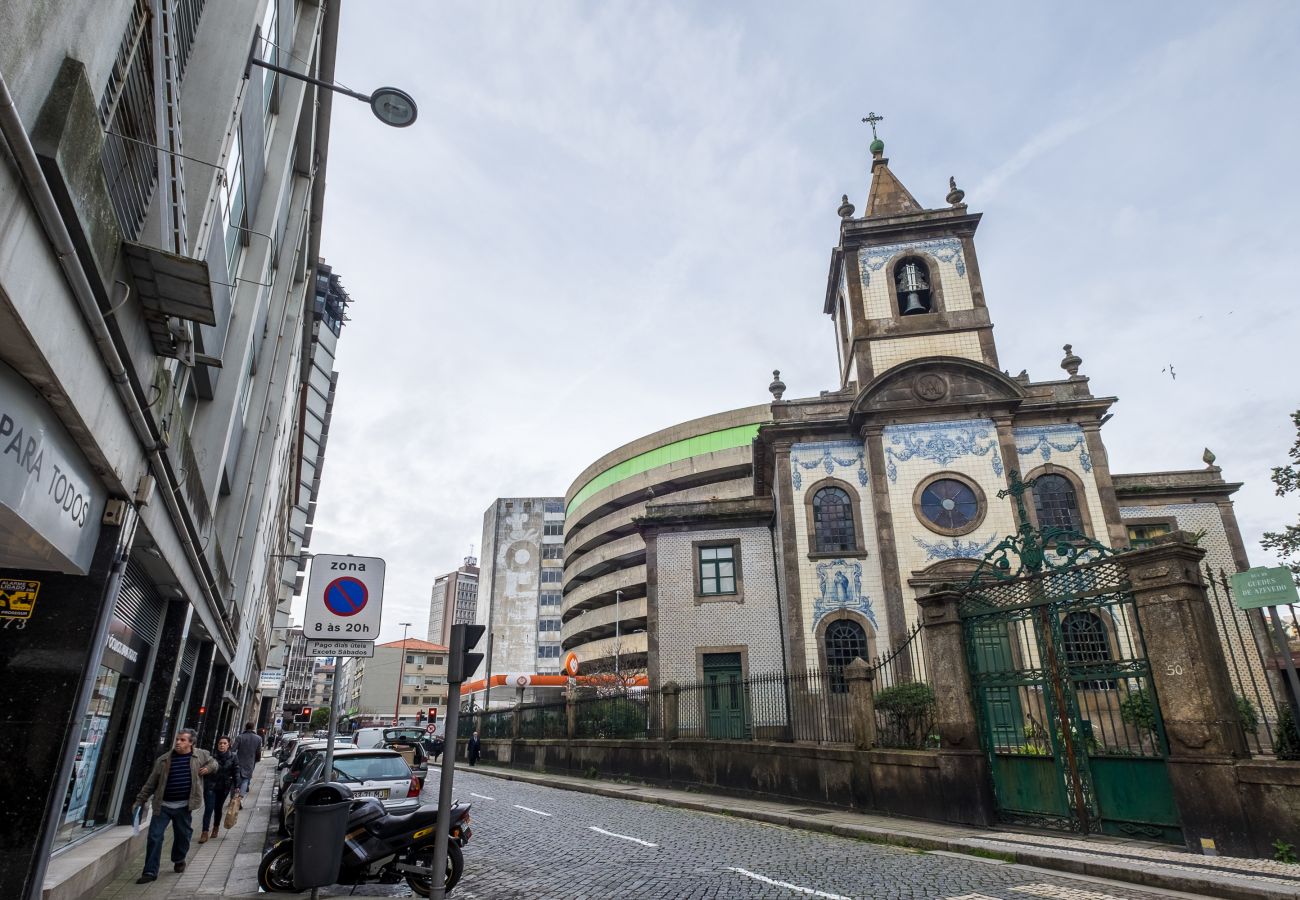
<point>955,194</point>
<point>846,208</point>
<point>1208,458</point>
<point>1071,362</point>
<point>777,387</point>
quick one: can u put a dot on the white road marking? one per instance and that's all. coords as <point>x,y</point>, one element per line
<point>481,796</point>
<point>811,892</point>
<point>531,810</point>
<point>622,836</point>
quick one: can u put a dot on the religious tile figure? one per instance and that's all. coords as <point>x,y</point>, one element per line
<point>862,498</point>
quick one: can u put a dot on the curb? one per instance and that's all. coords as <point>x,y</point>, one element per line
<point>1226,887</point>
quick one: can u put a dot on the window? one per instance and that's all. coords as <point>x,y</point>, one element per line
<point>410,659</point>
<point>845,641</point>
<point>1084,637</point>
<point>548,625</point>
<point>408,701</point>
<point>833,521</point>
<point>552,575</point>
<point>548,651</point>
<point>234,208</point>
<point>550,598</point>
<point>553,551</point>
<point>553,506</point>
<point>435,660</point>
<point>271,54</point>
<point>912,279</point>
<point>718,570</point>
<point>553,528</point>
<point>949,505</point>
<point>1145,535</point>
<point>1055,502</point>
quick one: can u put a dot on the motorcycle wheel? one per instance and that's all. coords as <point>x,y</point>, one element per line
<point>423,856</point>
<point>275,874</point>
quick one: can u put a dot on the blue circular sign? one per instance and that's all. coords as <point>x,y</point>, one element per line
<point>346,596</point>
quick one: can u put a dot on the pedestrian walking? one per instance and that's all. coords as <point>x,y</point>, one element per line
<point>175,785</point>
<point>218,786</point>
<point>473,748</point>
<point>248,747</point>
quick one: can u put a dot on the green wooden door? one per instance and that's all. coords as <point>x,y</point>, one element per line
<point>724,696</point>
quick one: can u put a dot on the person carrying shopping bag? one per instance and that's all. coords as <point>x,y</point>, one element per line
<point>217,786</point>
<point>173,789</point>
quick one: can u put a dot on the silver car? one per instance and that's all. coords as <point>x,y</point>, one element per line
<point>378,773</point>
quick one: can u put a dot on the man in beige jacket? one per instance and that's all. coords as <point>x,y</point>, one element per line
<point>176,786</point>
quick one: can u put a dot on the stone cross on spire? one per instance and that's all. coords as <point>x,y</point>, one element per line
<point>871,120</point>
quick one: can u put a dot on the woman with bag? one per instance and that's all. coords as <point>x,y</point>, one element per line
<point>217,785</point>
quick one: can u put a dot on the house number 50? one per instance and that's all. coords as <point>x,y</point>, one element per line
<point>1174,669</point>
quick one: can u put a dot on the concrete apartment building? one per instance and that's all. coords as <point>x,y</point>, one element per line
<point>295,687</point>
<point>369,686</point>
<point>160,223</point>
<point>322,683</point>
<point>520,588</point>
<point>453,600</point>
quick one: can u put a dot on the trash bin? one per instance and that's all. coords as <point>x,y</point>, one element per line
<point>321,821</point>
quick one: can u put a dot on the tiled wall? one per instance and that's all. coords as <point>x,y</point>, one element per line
<point>685,625</point>
<point>1064,446</point>
<point>885,354</point>
<point>943,257</point>
<point>830,584</point>
<point>915,452</point>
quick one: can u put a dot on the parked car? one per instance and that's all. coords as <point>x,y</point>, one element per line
<point>375,736</point>
<point>379,773</point>
<point>290,770</point>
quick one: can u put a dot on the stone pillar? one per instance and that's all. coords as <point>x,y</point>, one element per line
<point>859,676</point>
<point>671,694</point>
<point>1196,698</point>
<point>963,765</point>
<point>570,714</point>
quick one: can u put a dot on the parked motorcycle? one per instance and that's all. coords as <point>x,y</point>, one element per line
<point>380,847</point>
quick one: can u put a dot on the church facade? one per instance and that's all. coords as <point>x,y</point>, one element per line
<point>858,500</point>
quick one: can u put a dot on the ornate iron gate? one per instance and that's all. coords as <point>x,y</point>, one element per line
<point>1068,712</point>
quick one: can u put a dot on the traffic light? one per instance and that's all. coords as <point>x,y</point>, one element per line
<point>433,715</point>
<point>306,712</point>
<point>203,710</point>
<point>419,717</point>
<point>461,664</point>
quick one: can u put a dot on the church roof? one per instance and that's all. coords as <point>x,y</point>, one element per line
<point>887,196</point>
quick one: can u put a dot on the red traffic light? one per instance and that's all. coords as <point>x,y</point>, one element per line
<point>203,710</point>
<point>306,710</point>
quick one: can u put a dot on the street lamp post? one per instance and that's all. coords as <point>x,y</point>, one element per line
<point>401,672</point>
<point>618,634</point>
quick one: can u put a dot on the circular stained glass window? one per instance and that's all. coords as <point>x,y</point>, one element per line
<point>949,504</point>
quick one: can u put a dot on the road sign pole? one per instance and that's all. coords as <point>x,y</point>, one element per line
<point>449,744</point>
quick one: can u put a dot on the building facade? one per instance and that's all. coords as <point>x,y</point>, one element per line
<point>369,692</point>
<point>160,215</point>
<point>859,500</point>
<point>521,588</point>
<point>295,687</point>
<point>453,601</point>
<point>322,683</point>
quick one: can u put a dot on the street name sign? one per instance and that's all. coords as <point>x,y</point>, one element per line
<point>340,648</point>
<point>1264,586</point>
<point>344,597</point>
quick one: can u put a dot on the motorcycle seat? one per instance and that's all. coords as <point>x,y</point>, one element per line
<point>424,817</point>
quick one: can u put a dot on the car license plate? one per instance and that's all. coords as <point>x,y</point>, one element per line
<point>382,795</point>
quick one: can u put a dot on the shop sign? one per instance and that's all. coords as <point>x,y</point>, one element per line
<point>270,680</point>
<point>17,600</point>
<point>44,479</point>
<point>124,650</point>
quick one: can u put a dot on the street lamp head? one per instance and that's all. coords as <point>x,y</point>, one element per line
<point>393,106</point>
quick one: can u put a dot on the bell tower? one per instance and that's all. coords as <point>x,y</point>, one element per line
<point>904,282</point>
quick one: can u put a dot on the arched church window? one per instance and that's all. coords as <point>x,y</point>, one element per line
<point>833,530</point>
<point>845,641</point>
<point>1056,502</point>
<point>1085,643</point>
<point>912,279</point>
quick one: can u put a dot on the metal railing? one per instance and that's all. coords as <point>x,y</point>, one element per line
<point>904,702</point>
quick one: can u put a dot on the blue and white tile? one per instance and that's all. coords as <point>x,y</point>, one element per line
<point>1038,444</point>
<point>842,459</point>
<point>941,443</point>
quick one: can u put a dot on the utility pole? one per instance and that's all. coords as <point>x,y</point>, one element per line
<point>401,671</point>
<point>460,665</point>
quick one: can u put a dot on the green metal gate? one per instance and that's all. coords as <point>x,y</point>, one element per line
<point>1068,713</point>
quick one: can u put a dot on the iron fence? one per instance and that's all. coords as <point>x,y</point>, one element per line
<point>543,720</point>
<point>499,723</point>
<point>1257,658</point>
<point>903,700</point>
<point>622,716</point>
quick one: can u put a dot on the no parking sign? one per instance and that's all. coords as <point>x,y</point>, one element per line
<point>344,597</point>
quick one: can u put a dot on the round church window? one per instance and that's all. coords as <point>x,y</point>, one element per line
<point>949,505</point>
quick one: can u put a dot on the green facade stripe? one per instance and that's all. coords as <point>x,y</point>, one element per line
<point>726,439</point>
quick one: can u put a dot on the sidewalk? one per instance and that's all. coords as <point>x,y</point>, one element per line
<point>1135,862</point>
<point>223,868</point>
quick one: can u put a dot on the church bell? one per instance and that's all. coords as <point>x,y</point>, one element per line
<point>913,288</point>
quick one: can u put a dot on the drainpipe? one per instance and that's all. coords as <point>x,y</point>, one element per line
<point>56,231</point>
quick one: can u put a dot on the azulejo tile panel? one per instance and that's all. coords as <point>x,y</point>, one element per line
<point>941,443</point>
<point>831,457</point>
<point>873,259</point>
<point>839,582</point>
<point>955,548</point>
<point>1039,443</point>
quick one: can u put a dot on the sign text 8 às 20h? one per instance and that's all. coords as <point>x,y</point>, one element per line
<point>344,597</point>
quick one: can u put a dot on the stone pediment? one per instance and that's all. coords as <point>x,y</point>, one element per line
<point>936,383</point>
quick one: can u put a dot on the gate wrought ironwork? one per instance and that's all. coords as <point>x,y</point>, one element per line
<point>1068,713</point>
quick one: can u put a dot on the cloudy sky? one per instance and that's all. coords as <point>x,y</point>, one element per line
<point>611,217</point>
